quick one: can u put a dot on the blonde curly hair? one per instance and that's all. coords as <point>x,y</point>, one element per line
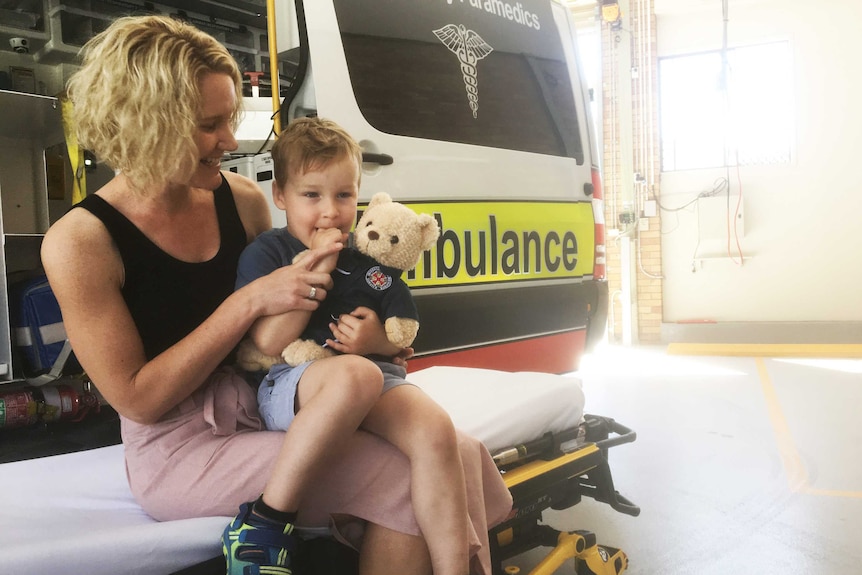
<point>137,96</point>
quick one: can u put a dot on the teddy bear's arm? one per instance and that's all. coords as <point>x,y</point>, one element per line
<point>249,358</point>
<point>302,350</point>
<point>401,331</point>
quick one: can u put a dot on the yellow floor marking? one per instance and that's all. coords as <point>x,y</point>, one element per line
<point>834,493</point>
<point>843,350</point>
<point>797,476</point>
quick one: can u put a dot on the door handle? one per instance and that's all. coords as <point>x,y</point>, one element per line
<point>380,159</point>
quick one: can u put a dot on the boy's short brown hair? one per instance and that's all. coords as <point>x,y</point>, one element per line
<point>310,144</point>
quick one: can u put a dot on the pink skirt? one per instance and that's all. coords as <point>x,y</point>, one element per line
<point>210,454</point>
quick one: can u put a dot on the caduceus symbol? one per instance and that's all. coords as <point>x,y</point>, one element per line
<point>470,48</point>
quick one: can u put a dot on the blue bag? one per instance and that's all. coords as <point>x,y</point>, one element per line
<point>39,339</point>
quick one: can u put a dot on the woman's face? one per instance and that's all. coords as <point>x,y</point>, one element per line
<point>214,132</point>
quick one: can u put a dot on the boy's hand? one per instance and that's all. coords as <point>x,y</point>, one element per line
<point>324,238</point>
<point>360,332</point>
<point>403,356</point>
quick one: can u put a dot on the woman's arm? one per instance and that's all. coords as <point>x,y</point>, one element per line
<point>272,333</point>
<point>86,274</point>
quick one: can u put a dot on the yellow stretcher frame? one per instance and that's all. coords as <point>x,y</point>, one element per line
<point>548,478</point>
<point>553,472</point>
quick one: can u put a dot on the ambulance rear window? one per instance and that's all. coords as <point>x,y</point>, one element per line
<point>484,72</point>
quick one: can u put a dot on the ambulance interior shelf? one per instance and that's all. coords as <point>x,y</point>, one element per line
<point>29,124</point>
<point>100,428</point>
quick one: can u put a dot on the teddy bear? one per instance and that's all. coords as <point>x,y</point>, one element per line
<point>388,240</point>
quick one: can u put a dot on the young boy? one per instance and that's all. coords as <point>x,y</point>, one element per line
<point>317,173</point>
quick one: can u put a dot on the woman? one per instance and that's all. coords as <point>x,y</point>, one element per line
<point>144,273</point>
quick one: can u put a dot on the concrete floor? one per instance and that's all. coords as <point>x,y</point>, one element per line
<point>742,464</point>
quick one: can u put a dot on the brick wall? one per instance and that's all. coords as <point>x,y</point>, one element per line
<point>644,137</point>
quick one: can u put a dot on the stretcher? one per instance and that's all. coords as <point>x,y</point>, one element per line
<point>556,479</point>
<point>550,453</point>
<point>74,513</point>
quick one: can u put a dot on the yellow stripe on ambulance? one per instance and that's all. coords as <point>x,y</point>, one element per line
<point>490,242</point>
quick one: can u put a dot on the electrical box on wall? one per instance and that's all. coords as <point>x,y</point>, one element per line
<point>650,210</point>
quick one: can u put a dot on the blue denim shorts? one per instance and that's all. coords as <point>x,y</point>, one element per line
<point>276,396</point>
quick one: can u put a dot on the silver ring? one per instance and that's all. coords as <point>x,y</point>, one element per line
<point>312,293</point>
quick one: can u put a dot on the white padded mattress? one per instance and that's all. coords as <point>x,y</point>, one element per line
<point>503,409</point>
<point>74,514</point>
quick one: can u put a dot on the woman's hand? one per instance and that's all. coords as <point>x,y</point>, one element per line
<point>297,287</point>
<point>360,332</point>
<point>284,299</point>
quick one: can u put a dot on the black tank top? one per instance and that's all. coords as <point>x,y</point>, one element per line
<point>169,298</point>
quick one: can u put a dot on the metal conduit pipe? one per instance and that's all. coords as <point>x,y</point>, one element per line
<point>272,44</point>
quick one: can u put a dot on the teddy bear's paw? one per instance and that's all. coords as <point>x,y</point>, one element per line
<point>249,358</point>
<point>401,331</point>
<point>303,350</point>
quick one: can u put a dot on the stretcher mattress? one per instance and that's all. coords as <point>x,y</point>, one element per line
<point>74,514</point>
<point>502,409</point>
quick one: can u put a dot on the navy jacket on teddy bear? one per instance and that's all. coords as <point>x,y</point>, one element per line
<point>360,280</point>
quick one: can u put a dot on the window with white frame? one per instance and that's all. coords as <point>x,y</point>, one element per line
<point>715,115</point>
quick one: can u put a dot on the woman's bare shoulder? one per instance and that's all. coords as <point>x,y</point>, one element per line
<point>241,184</point>
<point>77,238</point>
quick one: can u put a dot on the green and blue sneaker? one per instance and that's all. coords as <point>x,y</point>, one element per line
<point>253,546</point>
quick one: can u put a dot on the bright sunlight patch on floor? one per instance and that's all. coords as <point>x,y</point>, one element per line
<point>610,359</point>
<point>844,365</point>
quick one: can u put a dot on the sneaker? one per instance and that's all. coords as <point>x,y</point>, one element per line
<point>257,548</point>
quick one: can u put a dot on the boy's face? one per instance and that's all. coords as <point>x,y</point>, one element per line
<point>320,199</point>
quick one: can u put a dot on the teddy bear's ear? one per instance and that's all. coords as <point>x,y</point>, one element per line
<point>430,231</point>
<point>378,199</point>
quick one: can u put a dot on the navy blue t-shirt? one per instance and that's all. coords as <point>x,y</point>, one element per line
<point>358,280</point>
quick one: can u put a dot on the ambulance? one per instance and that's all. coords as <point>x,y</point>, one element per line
<point>474,111</point>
